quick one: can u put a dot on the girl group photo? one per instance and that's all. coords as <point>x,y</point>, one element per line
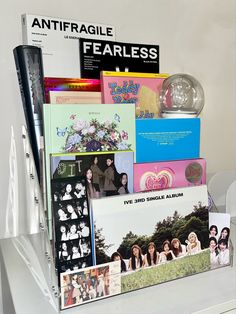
<point>219,233</point>
<point>87,285</point>
<point>170,250</point>
<point>108,174</point>
<point>219,246</point>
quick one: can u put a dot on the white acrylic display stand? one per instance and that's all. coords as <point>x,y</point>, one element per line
<point>29,274</point>
<point>231,201</point>
<point>218,186</point>
<point>28,268</point>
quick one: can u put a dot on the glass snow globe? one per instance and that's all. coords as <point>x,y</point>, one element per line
<point>181,96</point>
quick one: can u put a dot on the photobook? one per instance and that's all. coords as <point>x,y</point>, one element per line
<point>81,128</point>
<point>105,55</point>
<point>169,174</point>
<point>58,39</point>
<point>107,173</point>
<point>157,236</point>
<point>167,139</point>
<point>143,89</point>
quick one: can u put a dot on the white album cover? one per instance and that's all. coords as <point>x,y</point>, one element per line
<point>58,39</point>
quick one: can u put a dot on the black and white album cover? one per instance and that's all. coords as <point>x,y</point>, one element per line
<point>103,55</point>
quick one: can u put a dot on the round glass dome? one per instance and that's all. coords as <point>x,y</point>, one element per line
<point>181,96</point>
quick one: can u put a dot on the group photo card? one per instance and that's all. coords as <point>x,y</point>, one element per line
<point>90,284</point>
<point>72,226</point>
<point>219,239</point>
<point>106,173</point>
<point>169,174</point>
<point>157,236</point>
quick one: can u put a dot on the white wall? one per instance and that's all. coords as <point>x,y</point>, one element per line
<point>195,37</point>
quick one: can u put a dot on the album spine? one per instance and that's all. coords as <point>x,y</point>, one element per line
<point>29,68</point>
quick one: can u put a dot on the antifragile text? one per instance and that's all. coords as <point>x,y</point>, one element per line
<point>120,50</point>
<point>153,198</point>
<point>73,27</point>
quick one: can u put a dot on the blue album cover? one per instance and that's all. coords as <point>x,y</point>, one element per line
<point>167,139</point>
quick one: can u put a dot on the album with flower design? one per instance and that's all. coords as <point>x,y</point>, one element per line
<point>83,128</point>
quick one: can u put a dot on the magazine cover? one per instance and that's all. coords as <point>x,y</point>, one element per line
<point>71,220</point>
<point>90,284</point>
<point>86,128</point>
<point>107,173</point>
<point>140,88</point>
<point>167,139</point>
<point>219,239</point>
<point>157,236</point>
<point>172,174</point>
<point>61,84</point>
<point>105,55</point>
<point>69,97</point>
<point>58,39</point>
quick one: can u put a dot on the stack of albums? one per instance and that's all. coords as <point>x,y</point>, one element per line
<point>134,243</point>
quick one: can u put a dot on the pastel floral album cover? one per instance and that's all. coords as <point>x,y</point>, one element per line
<point>87,128</point>
<point>72,128</point>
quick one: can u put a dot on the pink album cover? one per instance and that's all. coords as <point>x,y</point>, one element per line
<point>130,87</point>
<point>170,174</point>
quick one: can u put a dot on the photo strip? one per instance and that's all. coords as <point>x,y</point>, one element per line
<point>72,226</point>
